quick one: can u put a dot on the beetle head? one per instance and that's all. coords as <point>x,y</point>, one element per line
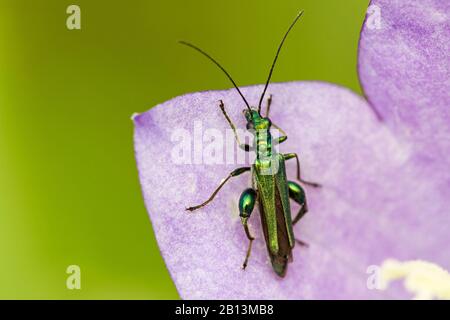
<point>255,121</point>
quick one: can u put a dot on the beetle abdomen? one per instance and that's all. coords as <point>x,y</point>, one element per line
<point>280,259</point>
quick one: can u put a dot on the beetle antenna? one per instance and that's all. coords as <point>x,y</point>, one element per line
<point>221,68</point>
<point>276,57</point>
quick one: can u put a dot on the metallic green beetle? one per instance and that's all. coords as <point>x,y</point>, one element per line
<point>271,189</point>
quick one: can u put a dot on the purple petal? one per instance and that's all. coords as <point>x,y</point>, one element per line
<point>378,201</point>
<point>404,67</point>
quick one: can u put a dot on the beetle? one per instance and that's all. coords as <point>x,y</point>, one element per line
<point>270,187</point>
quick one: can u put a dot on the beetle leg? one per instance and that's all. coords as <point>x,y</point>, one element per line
<point>234,173</point>
<point>246,205</point>
<point>289,156</point>
<point>281,138</point>
<point>297,194</point>
<point>269,102</point>
<point>302,243</point>
<point>243,146</point>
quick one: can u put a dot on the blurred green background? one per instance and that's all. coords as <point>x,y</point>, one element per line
<point>69,191</point>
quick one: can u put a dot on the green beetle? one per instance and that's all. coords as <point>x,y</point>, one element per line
<point>271,188</point>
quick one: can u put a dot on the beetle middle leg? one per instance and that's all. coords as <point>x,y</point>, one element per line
<point>289,156</point>
<point>234,173</point>
<point>246,205</point>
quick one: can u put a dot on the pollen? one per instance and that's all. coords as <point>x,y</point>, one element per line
<point>424,279</point>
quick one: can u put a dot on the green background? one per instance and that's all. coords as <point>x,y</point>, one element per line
<point>69,191</point>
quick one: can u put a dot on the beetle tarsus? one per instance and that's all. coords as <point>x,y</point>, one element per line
<point>311,184</point>
<point>302,243</point>
<point>247,256</point>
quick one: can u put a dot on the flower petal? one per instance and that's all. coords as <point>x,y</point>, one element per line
<point>404,67</point>
<point>377,201</point>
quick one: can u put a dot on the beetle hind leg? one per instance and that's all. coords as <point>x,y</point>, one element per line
<point>302,243</point>
<point>297,194</point>
<point>246,205</point>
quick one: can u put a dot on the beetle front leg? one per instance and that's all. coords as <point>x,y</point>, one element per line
<point>282,138</point>
<point>279,140</point>
<point>269,102</point>
<point>246,205</point>
<point>234,173</point>
<point>243,146</point>
<point>289,156</point>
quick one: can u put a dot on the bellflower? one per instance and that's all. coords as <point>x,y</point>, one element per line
<point>383,163</point>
